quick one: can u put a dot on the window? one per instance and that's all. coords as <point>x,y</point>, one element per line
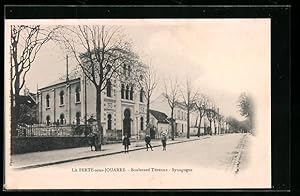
<point>62,118</point>
<point>142,95</point>
<point>47,101</point>
<point>127,92</point>
<point>129,70</point>
<point>77,94</point>
<point>142,123</point>
<point>108,88</point>
<point>78,118</point>
<point>48,120</point>
<point>61,97</point>
<point>131,93</point>
<point>122,91</point>
<point>124,70</point>
<point>109,122</point>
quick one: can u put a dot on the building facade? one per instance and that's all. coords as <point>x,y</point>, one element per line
<point>159,121</point>
<point>73,101</point>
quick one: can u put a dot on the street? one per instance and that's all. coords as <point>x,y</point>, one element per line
<point>215,152</point>
<point>208,163</point>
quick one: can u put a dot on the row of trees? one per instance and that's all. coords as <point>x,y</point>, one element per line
<point>192,101</point>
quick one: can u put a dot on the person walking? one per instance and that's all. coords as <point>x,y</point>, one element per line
<point>92,140</point>
<point>126,143</point>
<point>164,141</point>
<point>148,140</point>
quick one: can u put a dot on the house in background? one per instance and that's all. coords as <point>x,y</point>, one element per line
<point>28,113</point>
<point>159,123</point>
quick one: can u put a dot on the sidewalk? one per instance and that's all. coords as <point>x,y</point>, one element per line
<point>40,159</point>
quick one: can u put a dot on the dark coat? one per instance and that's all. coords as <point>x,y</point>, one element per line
<point>126,141</point>
<point>92,139</point>
<point>164,140</point>
<point>147,139</point>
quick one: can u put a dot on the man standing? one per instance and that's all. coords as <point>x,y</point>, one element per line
<point>148,140</point>
<point>164,141</point>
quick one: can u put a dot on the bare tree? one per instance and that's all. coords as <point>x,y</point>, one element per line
<point>189,102</point>
<point>220,120</point>
<point>246,107</point>
<point>26,42</point>
<point>171,94</point>
<point>201,104</point>
<point>101,52</point>
<point>215,119</point>
<point>210,114</point>
<point>148,82</point>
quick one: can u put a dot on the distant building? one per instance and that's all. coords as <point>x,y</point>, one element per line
<point>28,113</point>
<point>179,114</point>
<point>69,101</point>
<point>159,121</point>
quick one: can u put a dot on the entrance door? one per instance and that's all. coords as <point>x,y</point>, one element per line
<point>127,123</point>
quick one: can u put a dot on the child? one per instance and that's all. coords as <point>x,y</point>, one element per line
<point>164,141</point>
<point>126,143</point>
<point>148,140</point>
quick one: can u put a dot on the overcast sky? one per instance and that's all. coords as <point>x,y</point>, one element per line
<point>222,58</point>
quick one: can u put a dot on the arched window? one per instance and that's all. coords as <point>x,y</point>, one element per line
<point>78,118</point>
<point>142,95</point>
<point>48,120</point>
<point>109,122</point>
<point>47,101</point>
<point>142,123</point>
<point>131,93</point>
<point>122,91</point>
<point>77,94</point>
<point>124,70</point>
<point>127,92</point>
<point>61,97</point>
<point>108,88</point>
<point>62,118</point>
<point>129,70</point>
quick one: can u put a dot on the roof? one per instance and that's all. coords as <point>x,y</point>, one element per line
<point>26,100</point>
<point>73,75</point>
<point>59,83</point>
<point>160,116</point>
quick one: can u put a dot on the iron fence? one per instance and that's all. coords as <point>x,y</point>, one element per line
<point>52,131</point>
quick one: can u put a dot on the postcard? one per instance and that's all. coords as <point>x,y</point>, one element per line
<point>137,104</point>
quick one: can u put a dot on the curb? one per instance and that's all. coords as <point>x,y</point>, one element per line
<point>99,155</point>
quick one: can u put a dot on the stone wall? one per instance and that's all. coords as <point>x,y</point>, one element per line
<point>22,145</point>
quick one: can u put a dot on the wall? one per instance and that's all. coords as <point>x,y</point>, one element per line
<point>34,144</point>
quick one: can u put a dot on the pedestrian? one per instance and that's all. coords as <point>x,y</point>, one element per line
<point>148,140</point>
<point>92,141</point>
<point>126,143</point>
<point>164,141</point>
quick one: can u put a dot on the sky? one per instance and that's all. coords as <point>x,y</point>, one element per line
<point>221,57</point>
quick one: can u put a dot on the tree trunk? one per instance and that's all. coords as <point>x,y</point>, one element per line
<point>172,124</point>
<point>199,127</point>
<point>210,131</point>
<point>215,128</point>
<point>148,110</point>
<point>188,124</point>
<point>98,116</point>
<point>16,110</point>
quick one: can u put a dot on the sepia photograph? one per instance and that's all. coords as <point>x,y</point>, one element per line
<point>138,103</point>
